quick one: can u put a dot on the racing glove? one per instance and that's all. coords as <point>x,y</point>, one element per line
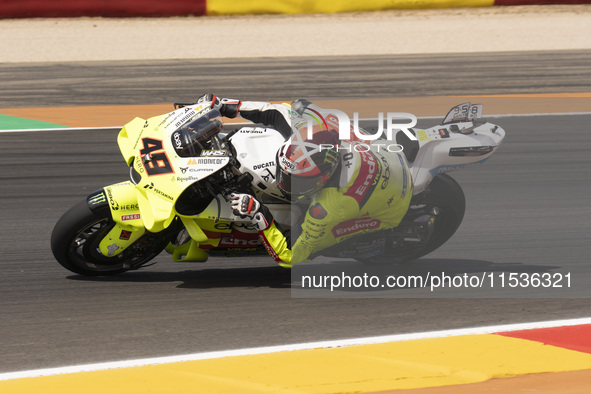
<point>300,105</point>
<point>227,107</point>
<point>246,206</point>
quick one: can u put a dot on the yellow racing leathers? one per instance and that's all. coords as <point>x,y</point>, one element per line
<point>370,191</point>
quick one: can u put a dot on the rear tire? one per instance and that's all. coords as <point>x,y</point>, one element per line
<point>447,196</point>
<point>76,236</point>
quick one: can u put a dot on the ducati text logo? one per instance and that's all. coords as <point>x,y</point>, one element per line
<point>264,165</point>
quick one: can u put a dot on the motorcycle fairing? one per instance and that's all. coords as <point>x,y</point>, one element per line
<point>215,228</point>
<point>257,147</point>
<point>206,235</point>
<point>119,238</point>
<point>122,202</point>
<point>464,141</point>
<point>192,250</point>
<point>147,146</point>
<point>187,252</point>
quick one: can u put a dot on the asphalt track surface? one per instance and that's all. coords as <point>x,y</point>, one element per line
<point>164,81</point>
<point>527,210</point>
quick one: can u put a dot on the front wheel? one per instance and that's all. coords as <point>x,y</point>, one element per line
<point>76,237</point>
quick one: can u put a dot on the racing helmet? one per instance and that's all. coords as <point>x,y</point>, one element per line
<point>194,136</point>
<point>304,166</point>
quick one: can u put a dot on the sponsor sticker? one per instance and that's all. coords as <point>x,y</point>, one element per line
<point>240,240</point>
<point>354,226</point>
<point>214,152</point>
<point>422,135</point>
<point>125,235</point>
<point>263,165</point>
<point>135,216</point>
<point>317,211</point>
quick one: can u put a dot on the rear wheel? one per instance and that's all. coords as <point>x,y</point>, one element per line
<point>75,243</point>
<point>445,203</point>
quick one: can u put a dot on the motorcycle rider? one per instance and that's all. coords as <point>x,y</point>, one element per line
<point>347,187</point>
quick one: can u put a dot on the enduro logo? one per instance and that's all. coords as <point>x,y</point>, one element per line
<point>355,226</point>
<point>154,157</point>
<point>367,180</point>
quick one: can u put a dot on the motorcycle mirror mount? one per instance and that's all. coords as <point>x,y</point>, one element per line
<point>454,128</point>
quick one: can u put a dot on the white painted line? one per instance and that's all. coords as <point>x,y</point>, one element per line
<point>250,124</point>
<point>292,347</point>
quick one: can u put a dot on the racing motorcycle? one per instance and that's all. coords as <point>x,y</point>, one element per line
<point>183,166</point>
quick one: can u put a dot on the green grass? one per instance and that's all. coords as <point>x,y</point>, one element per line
<point>15,123</point>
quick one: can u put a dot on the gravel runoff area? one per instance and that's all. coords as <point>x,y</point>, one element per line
<point>489,29</point>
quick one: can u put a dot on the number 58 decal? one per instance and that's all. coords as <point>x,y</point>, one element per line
<point>154,157</point>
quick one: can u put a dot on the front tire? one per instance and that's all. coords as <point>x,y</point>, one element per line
<point>76,236</point>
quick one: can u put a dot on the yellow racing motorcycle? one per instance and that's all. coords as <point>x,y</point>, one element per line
<point>183,166</point>
<point>181,169</point>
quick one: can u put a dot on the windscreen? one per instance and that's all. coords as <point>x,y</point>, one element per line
<point>194,136</point>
